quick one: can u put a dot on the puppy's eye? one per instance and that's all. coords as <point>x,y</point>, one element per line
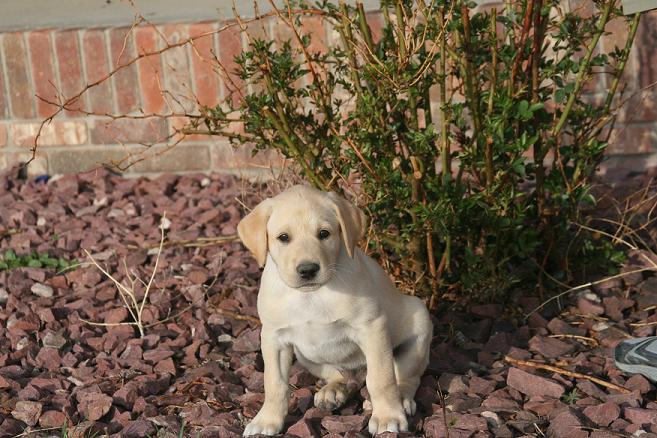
<point>323,234</point>
<point>283,237</point>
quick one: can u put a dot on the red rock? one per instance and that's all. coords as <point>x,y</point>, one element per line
<point>198,276</point>
<point>255,382</point>
<point>316,414</point>
<point>138,429</point>
<point>452,383</point>
<point>190,358</point>
<point>6,383</point>
<point>614,306</point>
<point>221,431</point>
<point>588,307</point>
<point>500,401</point>
<point>165,366</point>
<point>301,377</point>
<point>126,395</point>
<point>640,416</point>
<point>434,427</point>
<point>481,386</point>
<point>48,358</point>
<point>590,388</point>
<point>603,434</point>
<point>550,347</point>
<point>93,406</point>
<point>303,399</point>
<point>114,316</point>
<point>567,424</point>
<point>344,423</point>
<point>155,356</point>
<point>29,393</point>
<point>303,429</point>
<point>248,341</point>
<point>11,428</point>
<point>52,419</point>
<point>558,327</point>
<point>632,399</point>
<point>27,412</point>
<point>467,421</point>
<point>531,384</point>
<point>603,414</point>
<point>639,383</point>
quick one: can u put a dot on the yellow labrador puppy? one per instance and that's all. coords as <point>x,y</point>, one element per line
<point>331,305</point>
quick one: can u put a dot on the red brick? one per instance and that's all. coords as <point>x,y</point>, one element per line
<point>646,41</point>
<point>206,79</point>
<point>583,8</point>
<point>19,85</point>
<point>230,46</point>
<point>96,62</point>
<point>151,77</point>
<point>71,78</point>
<point>314,27</point>
<point>125,80</point>
<point>375,21</point>
<point>43,71</point>
<point>176,123</point>
<point>56,133</point>
<point>178,84</point>
<point>258,30</point>
<point>616,37</point>
<point>122,131</point>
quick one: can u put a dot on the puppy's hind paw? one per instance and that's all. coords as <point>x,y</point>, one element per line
<point>388,423</point>
<point>331,396</point>
<point>409,406</point>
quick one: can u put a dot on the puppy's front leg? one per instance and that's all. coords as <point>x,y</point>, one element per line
<point>278,359</point>
<point>387,411</point>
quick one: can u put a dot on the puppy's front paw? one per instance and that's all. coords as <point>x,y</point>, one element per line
<point>331,396</point>
<point>264,424</point>
<point>390,421</point>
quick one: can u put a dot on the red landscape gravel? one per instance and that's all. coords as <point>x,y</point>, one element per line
<point>198,370</point>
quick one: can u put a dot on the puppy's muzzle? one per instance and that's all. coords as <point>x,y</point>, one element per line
<point>307,270</point>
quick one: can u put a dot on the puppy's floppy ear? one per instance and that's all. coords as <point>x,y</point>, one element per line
<point>252,230</point>
<point>353,222</point>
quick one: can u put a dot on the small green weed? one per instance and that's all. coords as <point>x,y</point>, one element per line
<point>571,397</point>
<point>11,260</point>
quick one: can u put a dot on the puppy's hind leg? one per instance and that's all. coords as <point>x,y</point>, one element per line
<point>334,393</point>
<point>412,358</point>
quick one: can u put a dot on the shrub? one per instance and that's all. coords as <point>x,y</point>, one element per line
<point>467,136</point>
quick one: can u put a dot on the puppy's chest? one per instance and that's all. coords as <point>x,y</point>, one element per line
<point>324,343</point>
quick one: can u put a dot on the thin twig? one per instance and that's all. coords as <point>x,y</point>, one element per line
<point>585,339</point>
<point>201,242</point>
<point>238,316</point>
<point>642,324</point>
<point>573,374</point>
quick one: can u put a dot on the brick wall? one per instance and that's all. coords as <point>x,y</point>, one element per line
<point>41,62</point>
<point>45,62</point>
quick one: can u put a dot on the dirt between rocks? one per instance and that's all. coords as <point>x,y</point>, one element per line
<point>198,370</point>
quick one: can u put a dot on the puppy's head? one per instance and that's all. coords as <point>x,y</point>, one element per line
<point>303,230</point>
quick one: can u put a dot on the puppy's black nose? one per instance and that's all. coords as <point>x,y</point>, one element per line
<point>307,270</point>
